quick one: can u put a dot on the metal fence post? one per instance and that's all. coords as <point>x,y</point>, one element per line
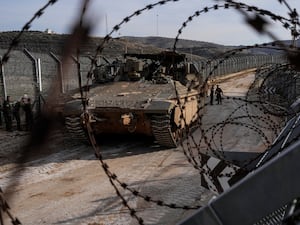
<point>2,74</point>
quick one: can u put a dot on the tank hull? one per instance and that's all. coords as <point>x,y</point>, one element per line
<point>138,108</point>
<point>120,121</point>
<point>146,97</point>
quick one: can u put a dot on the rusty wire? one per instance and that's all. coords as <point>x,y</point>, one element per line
<point>259,24</point>
<point>80,34</point>
<point>230,120</point>
<point>48,119</point>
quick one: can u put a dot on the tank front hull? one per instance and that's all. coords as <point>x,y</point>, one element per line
<point>118,121</point>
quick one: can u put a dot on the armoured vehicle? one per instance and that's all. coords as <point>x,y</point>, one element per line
<point>144,97</point>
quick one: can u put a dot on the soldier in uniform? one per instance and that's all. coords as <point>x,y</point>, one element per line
<point>212,95</point>
<point>219,93</point>
<point>27,107</point>
<point>7,113</point>
<point>16,113</point>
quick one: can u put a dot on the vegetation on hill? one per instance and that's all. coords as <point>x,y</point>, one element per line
<point>38,41</point>
<point>201,48</point>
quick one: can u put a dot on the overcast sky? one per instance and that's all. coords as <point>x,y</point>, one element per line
<point>218,26</point>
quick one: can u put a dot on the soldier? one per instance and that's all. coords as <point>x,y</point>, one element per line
<point>7,113</point>
<point>28,113</point>
<point>212,95</point>
<point>16,113</point>
<point>219,93</point>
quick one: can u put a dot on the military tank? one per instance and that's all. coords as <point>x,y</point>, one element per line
<point>141,99</point>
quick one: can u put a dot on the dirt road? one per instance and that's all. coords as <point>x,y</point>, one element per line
<point>65,184</point>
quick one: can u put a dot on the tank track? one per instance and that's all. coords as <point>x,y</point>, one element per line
<point>75,129</point>
<point>161,129</point>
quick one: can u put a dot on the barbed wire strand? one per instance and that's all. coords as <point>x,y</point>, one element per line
<point>256,22</point>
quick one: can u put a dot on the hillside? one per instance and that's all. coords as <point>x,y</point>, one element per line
<point>201,48</point>
<point>37,41</point>
<point>163,42</point>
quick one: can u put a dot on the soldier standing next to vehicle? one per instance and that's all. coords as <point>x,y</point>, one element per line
<point>219,93</point>
<point>7,113</point>
<point>212,95</point>
<point>16,113</point>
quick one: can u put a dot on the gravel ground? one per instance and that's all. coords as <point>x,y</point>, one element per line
<point>64,183</point>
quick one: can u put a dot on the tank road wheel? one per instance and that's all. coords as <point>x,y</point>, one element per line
<point>75,129</point>
<point>163,132</point>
